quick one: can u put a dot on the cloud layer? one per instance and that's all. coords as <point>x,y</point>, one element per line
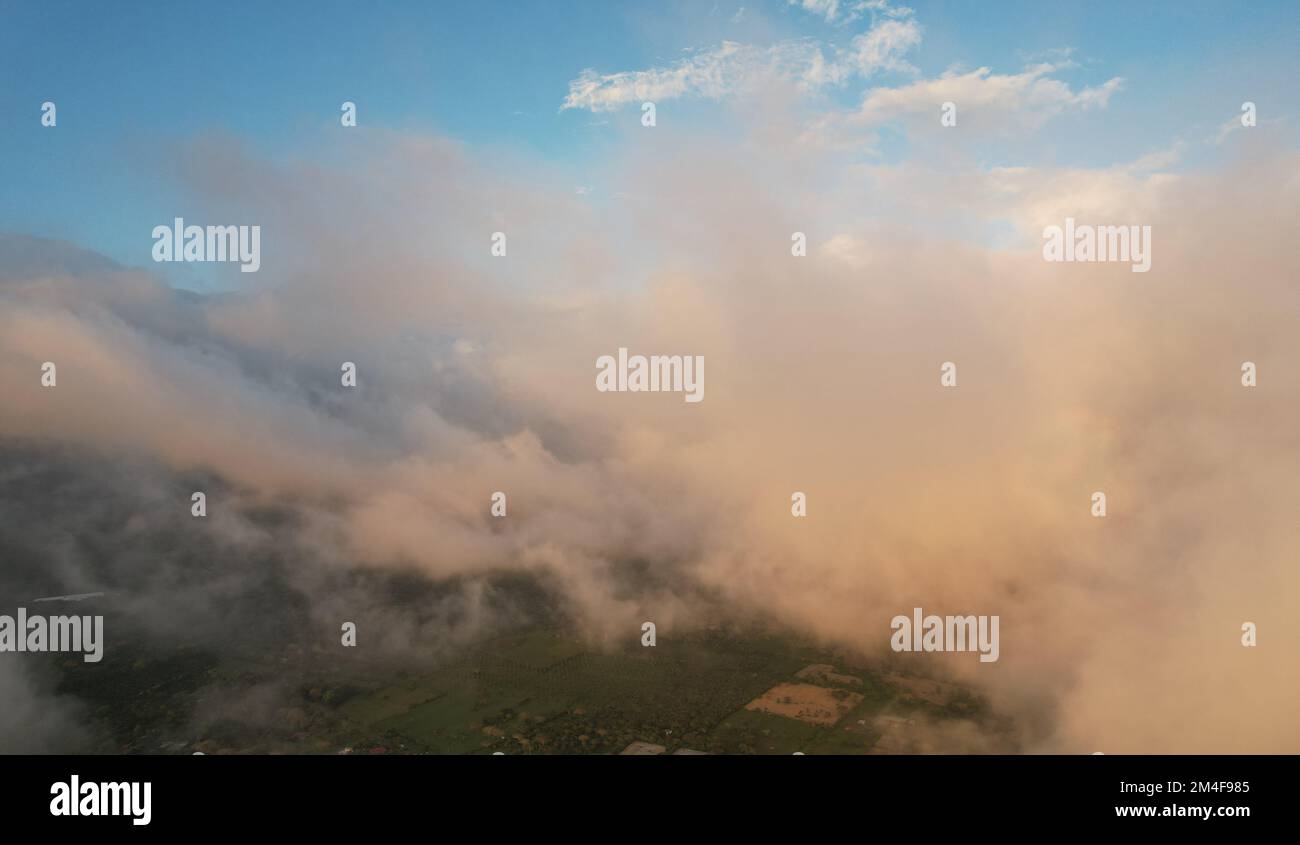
<point>476,374</point>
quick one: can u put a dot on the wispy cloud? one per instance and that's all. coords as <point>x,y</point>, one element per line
<point>732,67</point>
<point>1026,99</point>
<point>837,12</point>
<point>988,104</point>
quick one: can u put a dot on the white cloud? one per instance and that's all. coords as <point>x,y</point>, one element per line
<point>731,67</point>
<point>883,47</point>
<point>1161,159</point>
<point>1023,100</point>
<point>709,75</point>
<point>987,104</point>
<point>1225,129</point>
<point>828,9</point>
<point>833,11</point>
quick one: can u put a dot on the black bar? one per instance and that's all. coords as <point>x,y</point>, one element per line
<point>491,794</point>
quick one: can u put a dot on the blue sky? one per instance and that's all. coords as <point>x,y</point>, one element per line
<point>131,78</point>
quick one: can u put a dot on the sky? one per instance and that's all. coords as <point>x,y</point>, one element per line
<point>475,371</point>
<point>130,80</point>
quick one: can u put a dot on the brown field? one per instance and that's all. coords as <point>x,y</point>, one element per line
<point>806,702</point>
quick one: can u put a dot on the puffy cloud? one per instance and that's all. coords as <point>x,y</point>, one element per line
<point>1117,634</point>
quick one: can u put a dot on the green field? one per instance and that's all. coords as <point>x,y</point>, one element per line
<point>541,692</point>
<point>536,692</point>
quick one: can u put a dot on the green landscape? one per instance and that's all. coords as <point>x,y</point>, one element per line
<point>541,691</point>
